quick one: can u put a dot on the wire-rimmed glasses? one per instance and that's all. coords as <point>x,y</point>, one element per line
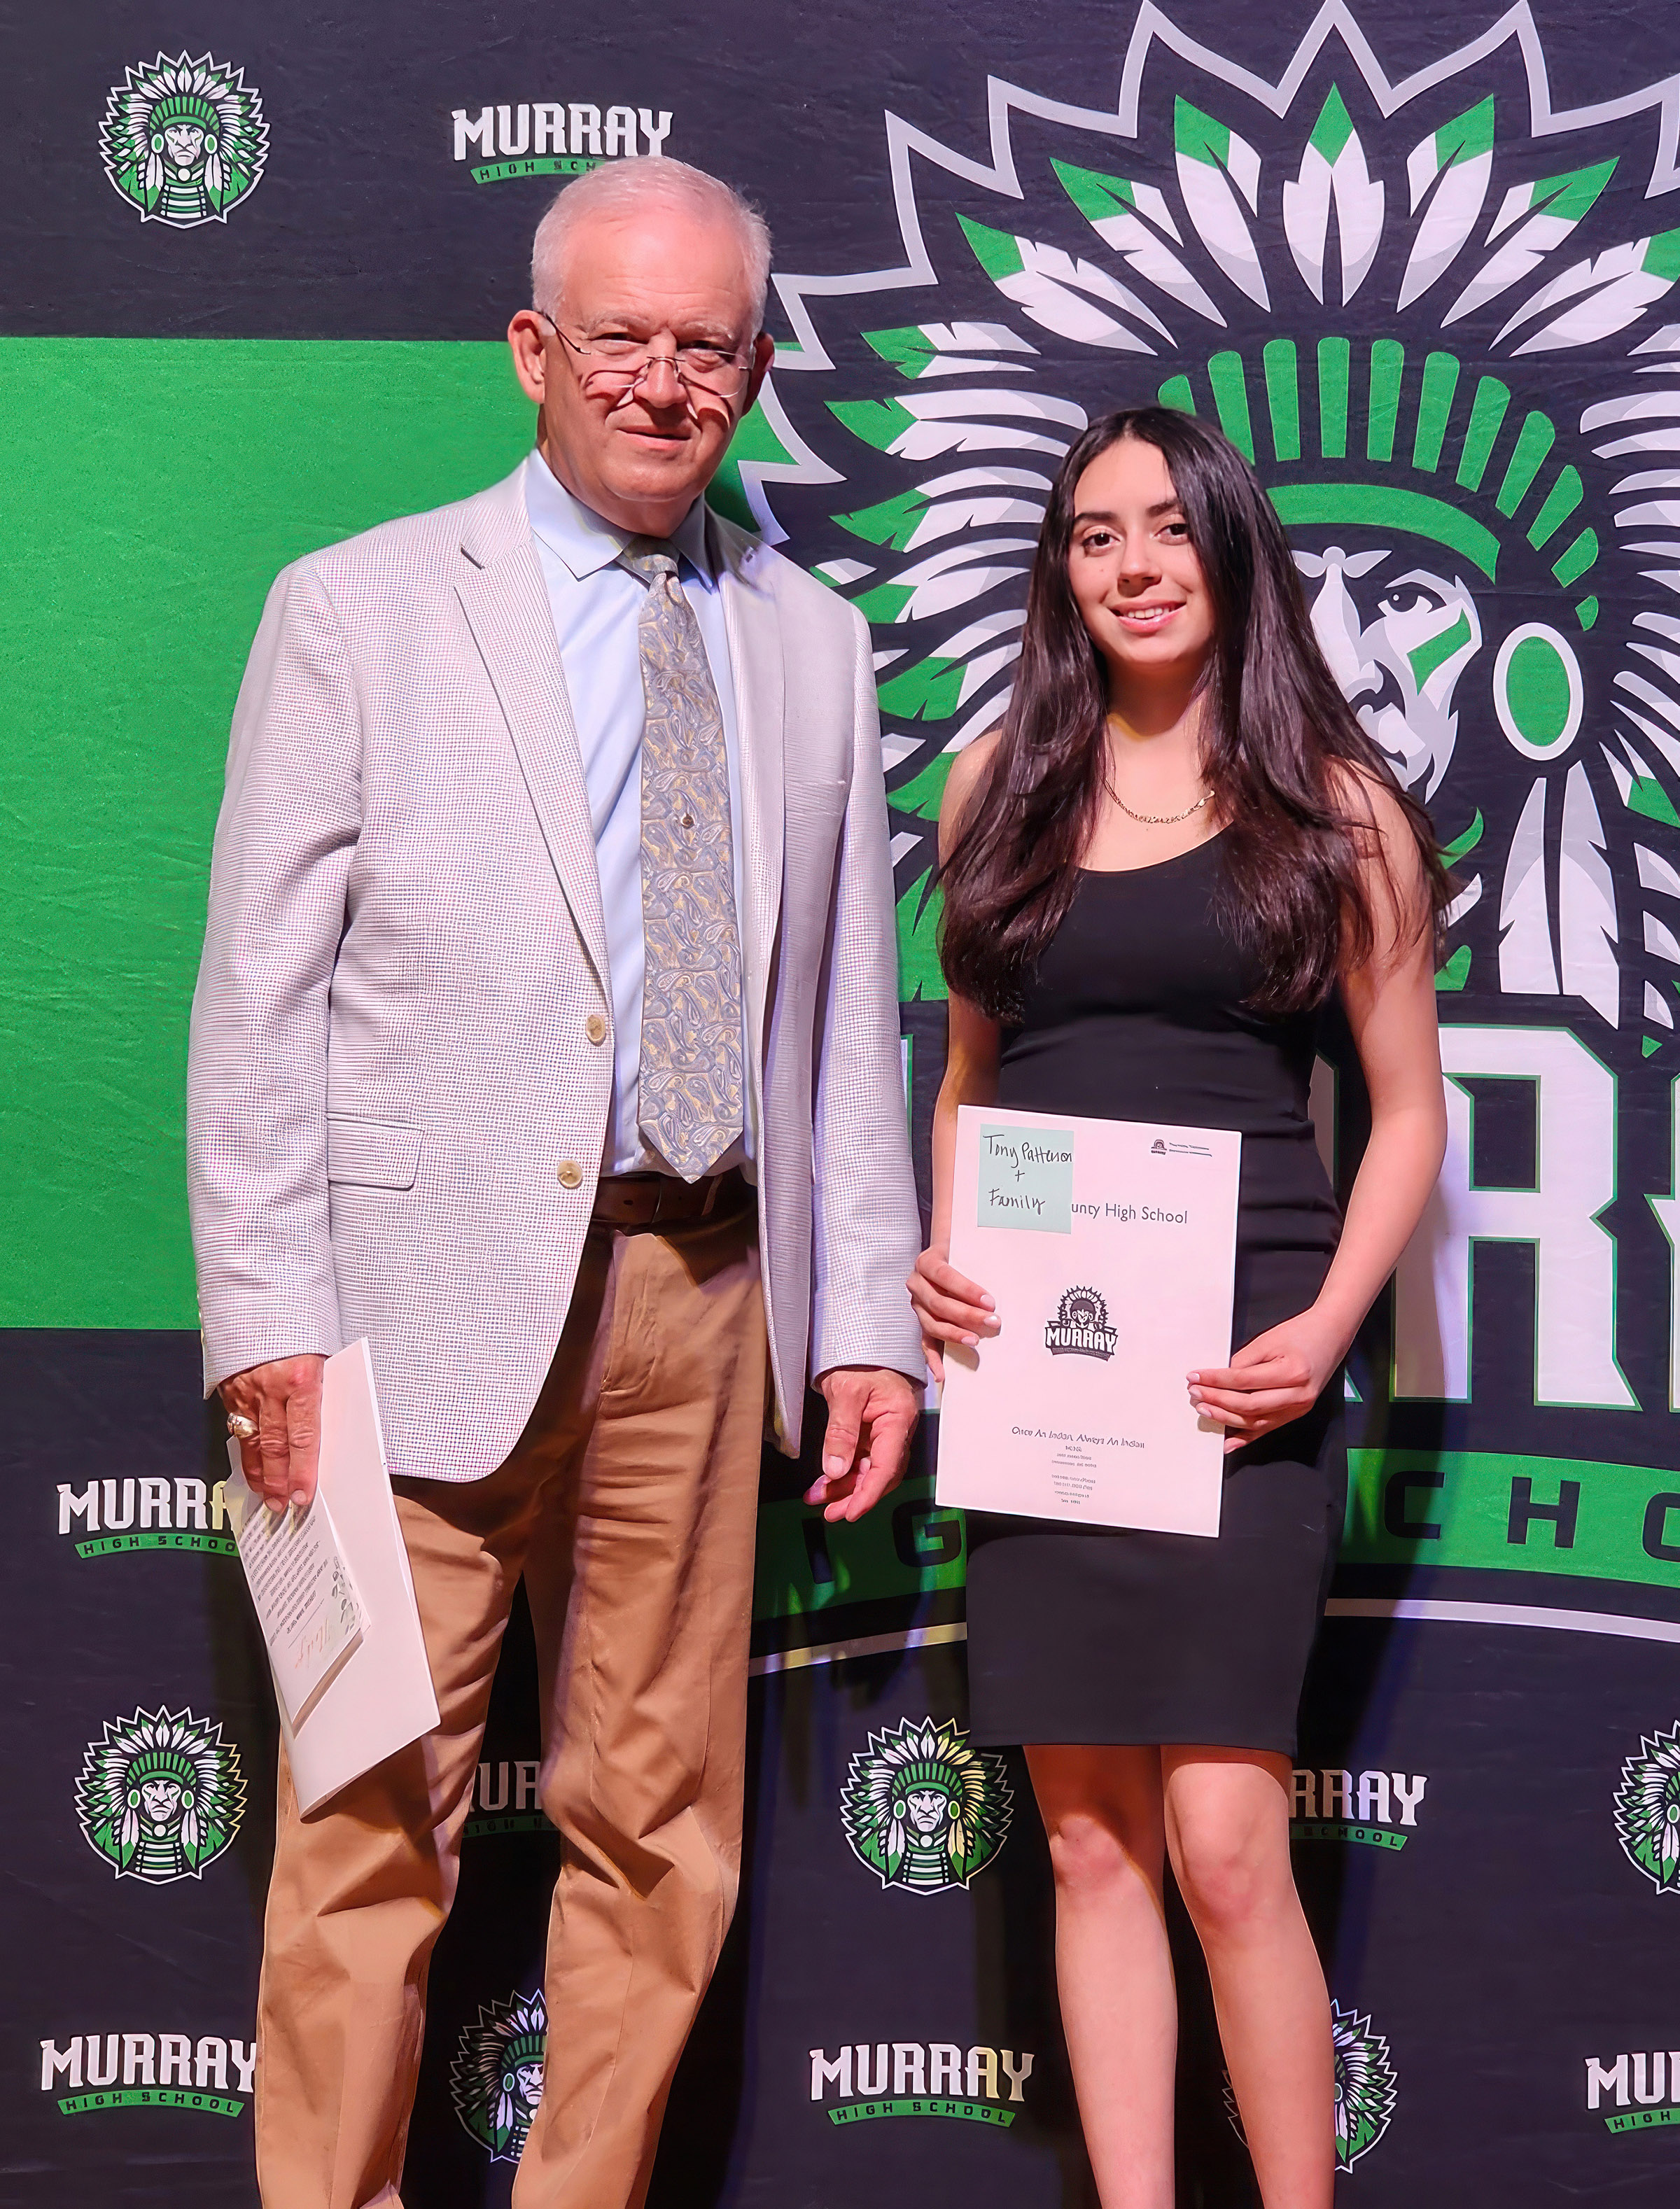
<point>617,364</point>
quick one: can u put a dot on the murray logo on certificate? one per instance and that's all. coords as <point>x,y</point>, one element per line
<point>1109,1247</point>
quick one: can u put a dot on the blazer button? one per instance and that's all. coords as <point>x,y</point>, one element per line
<point>595,1028</point>
<point>571,1174</point>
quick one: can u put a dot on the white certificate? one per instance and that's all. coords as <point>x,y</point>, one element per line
<point>1110,1249</point>
<point>379,1695</point>
<point>312,1618</point>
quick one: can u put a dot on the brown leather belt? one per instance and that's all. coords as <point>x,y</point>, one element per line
<point>656,1199</point>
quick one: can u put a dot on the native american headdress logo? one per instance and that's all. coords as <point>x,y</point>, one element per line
<point>924,1810</point>
<point>1432,312</point>
<point>495,2077</point>
<point>1081,1328</point>
<point>161,1795</point>
<point>1365,2084</point>
<point>183,141</point>
<point>1648,1810</point>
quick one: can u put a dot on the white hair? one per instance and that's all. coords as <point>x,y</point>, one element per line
<point>618,188</point>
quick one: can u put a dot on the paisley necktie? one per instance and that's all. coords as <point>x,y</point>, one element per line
<point>691,1082</point>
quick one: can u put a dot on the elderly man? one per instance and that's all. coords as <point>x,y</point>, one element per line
<point>546,1036</point>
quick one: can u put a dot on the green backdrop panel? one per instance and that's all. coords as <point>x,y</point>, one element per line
<point>155,485</point>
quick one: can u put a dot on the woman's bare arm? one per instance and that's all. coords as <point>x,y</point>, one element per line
<point>1391,1009</point>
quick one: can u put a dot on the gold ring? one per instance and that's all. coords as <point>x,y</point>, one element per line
<point>242,1429</point>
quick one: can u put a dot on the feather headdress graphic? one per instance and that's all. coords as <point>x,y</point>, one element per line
<point>1648,1810</point>
<point>921,1809</point>
<point>1371,286</point>
<point>496,2075</point>
<point>160,1796</point>
<point>184,140</point>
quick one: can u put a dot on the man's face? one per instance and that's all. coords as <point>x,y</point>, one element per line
<point>924,1807</point>
<point>184,144</point>
<point>161,1800</point>
<point>664,277</point>
<point>528,2084</point>
<point>1398,637</point>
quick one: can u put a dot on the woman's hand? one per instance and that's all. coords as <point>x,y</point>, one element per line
<point>949,1307</point>
<point>1277,1377</point>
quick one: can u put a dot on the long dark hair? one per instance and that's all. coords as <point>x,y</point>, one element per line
<point>1274,727</point>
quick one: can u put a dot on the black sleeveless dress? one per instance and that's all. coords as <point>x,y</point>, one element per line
<point>1079,1635</point>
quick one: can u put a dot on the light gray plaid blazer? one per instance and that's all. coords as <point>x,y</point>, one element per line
<point>390,1064</point>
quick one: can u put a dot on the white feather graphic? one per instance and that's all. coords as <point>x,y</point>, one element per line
<point>1214,165</point>
<point>1461,156</point>
<point>1047,283</point>
<point>1108,203</point>
<point>1334,168</point>
<point>1629,277</point>
<point>1560,205</point>
<point>1586,930</point>
<point>1525,961</point>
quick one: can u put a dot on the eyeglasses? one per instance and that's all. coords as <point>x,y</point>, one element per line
<point>619,363</point>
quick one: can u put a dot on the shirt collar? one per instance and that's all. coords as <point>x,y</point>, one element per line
<point>578,537</point>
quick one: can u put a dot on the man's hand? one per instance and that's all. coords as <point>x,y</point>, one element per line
<point>872,1413</point>
<point>283,1399</point>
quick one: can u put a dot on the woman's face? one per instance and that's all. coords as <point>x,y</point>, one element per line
<point>1136,576</point>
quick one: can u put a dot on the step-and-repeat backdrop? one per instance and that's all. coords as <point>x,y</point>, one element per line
<point>1422,266</point>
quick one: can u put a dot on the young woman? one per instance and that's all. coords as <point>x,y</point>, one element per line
<point>1177,845</point>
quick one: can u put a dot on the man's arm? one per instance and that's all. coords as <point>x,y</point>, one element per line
<point>865,1345</point>
<point>256,1083</point>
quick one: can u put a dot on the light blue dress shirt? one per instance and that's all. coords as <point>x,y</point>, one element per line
<point>597,605</point>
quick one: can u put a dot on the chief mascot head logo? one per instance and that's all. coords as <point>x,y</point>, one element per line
<point>1081,1328</point>
<point>496,2078</point>
<point>1648,1810</point>
<point>160,1797</point>
<point>924,1810</point>
<point>1428,310</point>
<point>1364,2085</point>
<point>183,141</point>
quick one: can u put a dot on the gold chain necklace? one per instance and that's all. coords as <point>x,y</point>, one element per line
<point>1155,820</point>
<point>1151,819</point>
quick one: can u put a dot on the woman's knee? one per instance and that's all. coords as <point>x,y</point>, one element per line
<point>1090,1855</point>
<point>1231,1875</point>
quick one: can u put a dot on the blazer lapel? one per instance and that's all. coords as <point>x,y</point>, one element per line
<point>754,628</point>
<point>506,605</point>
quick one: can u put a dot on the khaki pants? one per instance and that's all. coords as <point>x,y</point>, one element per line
<point>628,1506</point>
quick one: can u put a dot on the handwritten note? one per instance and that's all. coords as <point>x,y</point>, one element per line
<point>1027,1179</point>
<point>312,1616</point>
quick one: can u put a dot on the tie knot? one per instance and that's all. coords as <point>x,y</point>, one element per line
<point>652,558</point>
